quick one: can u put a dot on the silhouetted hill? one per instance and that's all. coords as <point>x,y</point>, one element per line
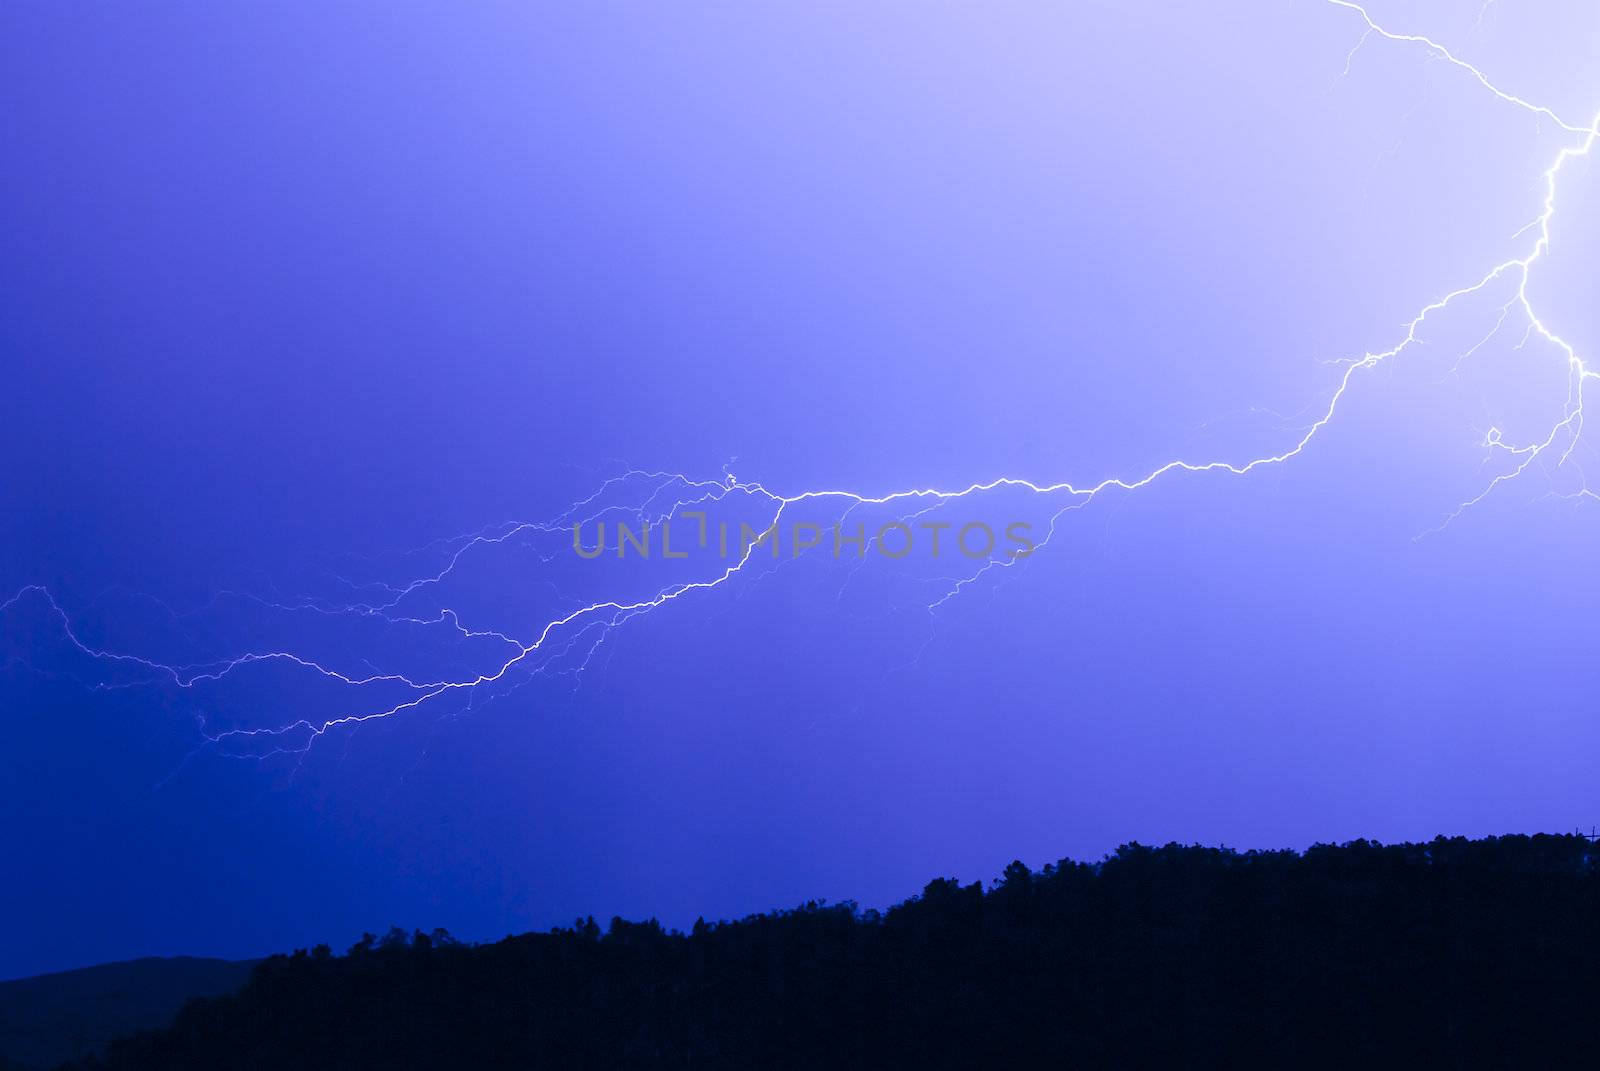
<point>1455,953</point>
<point>53,1018</point>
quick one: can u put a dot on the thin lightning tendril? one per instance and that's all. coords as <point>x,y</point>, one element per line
<point>586,627</point>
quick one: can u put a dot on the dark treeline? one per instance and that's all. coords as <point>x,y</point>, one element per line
<point>1452,953</point>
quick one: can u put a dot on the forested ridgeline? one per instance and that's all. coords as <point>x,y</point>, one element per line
<point>1450,953</point>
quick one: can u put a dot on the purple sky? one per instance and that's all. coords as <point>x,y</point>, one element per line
<point>297,300</point>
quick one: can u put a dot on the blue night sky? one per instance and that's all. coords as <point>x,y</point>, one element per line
<point>321,325</point>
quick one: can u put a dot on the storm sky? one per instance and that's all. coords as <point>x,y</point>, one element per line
<point>320,326</point>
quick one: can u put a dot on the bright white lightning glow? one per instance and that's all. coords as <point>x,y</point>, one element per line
<point>586,627</point>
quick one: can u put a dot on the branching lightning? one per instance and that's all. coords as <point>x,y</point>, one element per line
<point>568,641</point>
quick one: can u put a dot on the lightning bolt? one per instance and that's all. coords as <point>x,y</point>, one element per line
<point>568,641</point>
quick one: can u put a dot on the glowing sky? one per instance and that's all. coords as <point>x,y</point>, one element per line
<point>321,330</point>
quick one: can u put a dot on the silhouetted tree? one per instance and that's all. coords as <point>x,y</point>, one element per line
<point>1454,953</point>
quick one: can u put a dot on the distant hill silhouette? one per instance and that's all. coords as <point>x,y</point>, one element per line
<point>1453,953</point>
<point>53,1018</point>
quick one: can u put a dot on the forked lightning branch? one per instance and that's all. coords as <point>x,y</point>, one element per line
<point>666,513</point>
